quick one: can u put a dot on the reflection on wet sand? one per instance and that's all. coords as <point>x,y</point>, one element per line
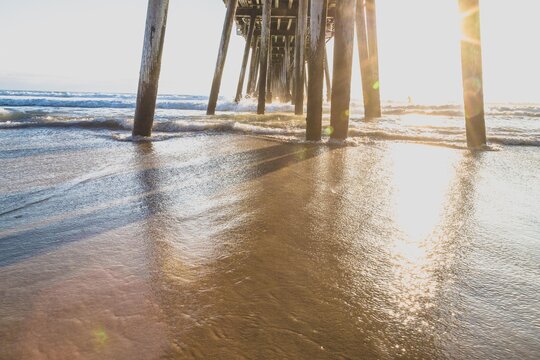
<point>318,259</point>
<point>238,247</point>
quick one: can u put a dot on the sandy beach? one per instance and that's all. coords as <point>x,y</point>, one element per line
<point>217,245</point>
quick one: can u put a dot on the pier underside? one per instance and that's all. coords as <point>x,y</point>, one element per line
<point>283,37</point>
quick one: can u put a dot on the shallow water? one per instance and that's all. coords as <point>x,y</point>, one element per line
<point>507,124</point>
<point>218,245</point>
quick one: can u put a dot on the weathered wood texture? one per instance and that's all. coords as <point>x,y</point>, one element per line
<point>299,56</point>
<point>286,67</point>
<point>471,63</point>
<point>245,59</point>
<point>290,70</point>
<point>154,36</point>
<point>265,46</point>
<point>316,69</point>
<point>343,55</point>
<point>253,67</point>
<point>222,55</point>
<point>369,58</point>
<point>282,24</point>
<point>270,75</point>
<point>327,76</point>
<point>373,46</point>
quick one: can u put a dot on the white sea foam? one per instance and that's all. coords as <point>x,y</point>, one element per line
<point>508,124</point>
<point>188,102</point>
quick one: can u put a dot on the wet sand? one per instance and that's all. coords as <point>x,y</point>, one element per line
<point>232,246</point>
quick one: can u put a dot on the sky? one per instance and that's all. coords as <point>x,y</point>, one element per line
<point>83,45</point>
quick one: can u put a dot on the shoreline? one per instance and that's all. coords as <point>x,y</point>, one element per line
<point>234,245</point>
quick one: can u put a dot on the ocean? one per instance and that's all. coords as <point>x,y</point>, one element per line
<point>229,236</point>
<point>508,124</point>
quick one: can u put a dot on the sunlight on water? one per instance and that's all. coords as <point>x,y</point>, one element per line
<point>196,245</point>
<point>419,192</point>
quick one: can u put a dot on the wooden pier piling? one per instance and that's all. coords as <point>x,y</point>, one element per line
<point>299,56</point>
<point>327,77</point>
<point>306,77</point>
<point>373,46</point>
<point>264,59</point>
<point>316,69</point>
<point>275,33</point>
<point>286,67</point>
<point>245,59</point>
<point>270,74</point>
<point>343,55</point>
<point>471,63</point>
<point>154,36</point>
<point>222,55</point>
<point>366,27</point>
<point>253,67</point>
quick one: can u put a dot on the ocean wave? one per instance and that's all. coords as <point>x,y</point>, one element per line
<point>283,127</point>
<point>129,103</point>
<point>104,123</point>
<point>10,114</point>
<point>94,95</point>
<point>199,103</point>
<point>65,102</point>
<point>508,124</point>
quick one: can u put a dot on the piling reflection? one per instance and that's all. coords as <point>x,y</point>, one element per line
<point>348,271</point>
<point>310,248</point>
<point>260,249</point>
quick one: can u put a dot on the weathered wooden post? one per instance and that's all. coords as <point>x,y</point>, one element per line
<point>343,55</point>
<point>471,64</point>
<point>270,75</point>
<point>363,55</point>
<point>286,66</point>
<point>222,55</point>
<point>255,88</point>
<point>366,28</point>
<point>371,17</point>
<point>316,69</point>
<point>156,22</point>
<point>249,39</point>
<point>290,69</point>
<point>265,45</point>
<point>299,56</point>
<point>253,67</point>
<point>306,77</point>
<point>327,76</point>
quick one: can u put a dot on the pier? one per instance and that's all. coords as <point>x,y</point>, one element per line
<point>284,37</point>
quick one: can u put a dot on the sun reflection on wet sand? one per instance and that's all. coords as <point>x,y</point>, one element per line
<point>419,193</point>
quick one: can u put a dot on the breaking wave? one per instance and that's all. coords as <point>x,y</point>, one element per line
<point>288,128</point>
<point>25,99</point>
<point>508,124</point>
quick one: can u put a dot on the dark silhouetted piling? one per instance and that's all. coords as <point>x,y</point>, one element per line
<point>343,55</point>
<point>471,64</point>
<point>316,69</point>
<point>286,68</point>
<point>265,45</point>
<point>270,75</point>
<point>154,36</point>
<point>299,56</point>
<point>222,55</point>
<point>245,59</point>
